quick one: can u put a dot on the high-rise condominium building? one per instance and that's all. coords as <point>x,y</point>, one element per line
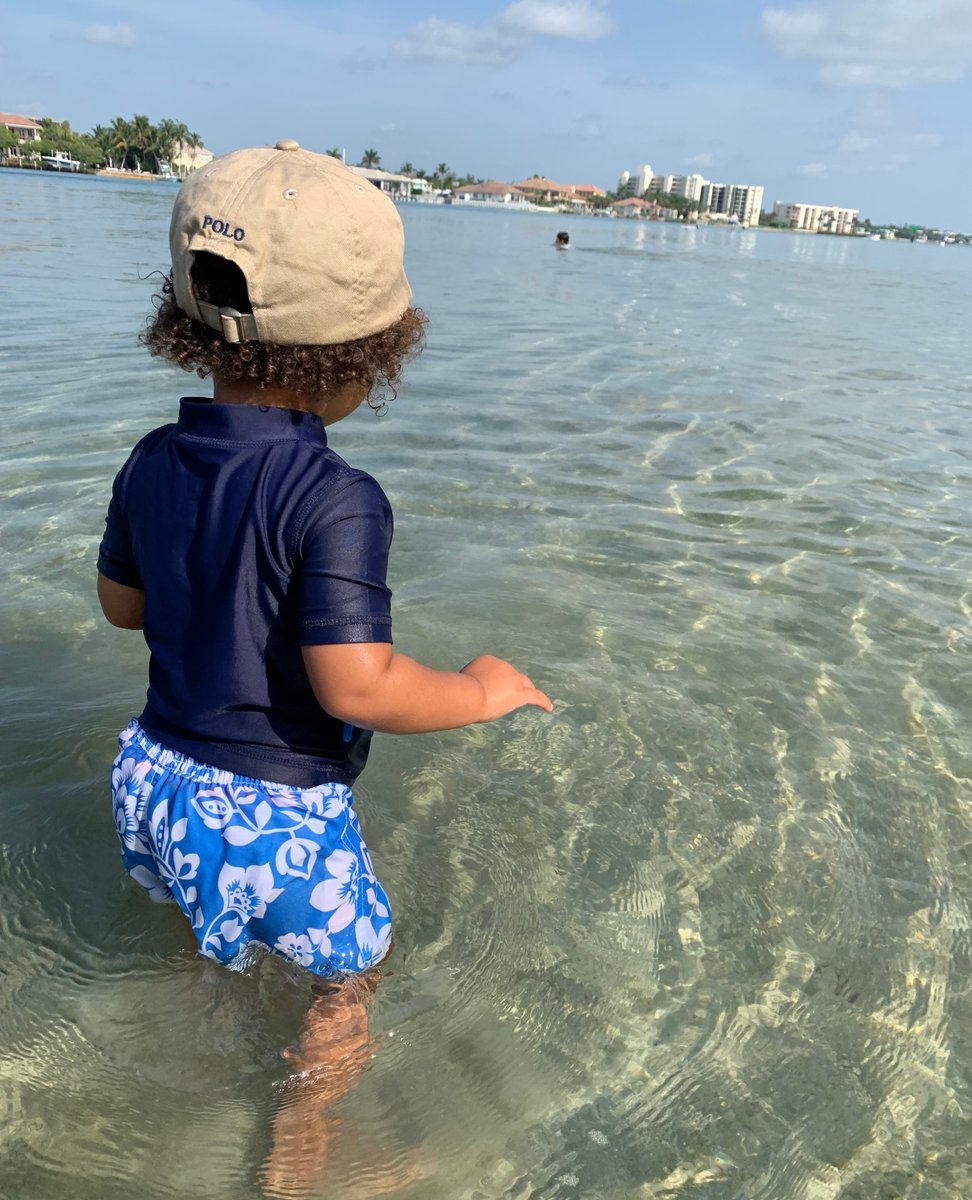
<point>636,182</point>
<point>816,218</point>
<point>740,200</point>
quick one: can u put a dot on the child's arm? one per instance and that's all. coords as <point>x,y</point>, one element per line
<point>123,606</point>
<point>368,685</point>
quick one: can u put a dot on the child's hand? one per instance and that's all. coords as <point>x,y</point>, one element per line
<point>504,688</point>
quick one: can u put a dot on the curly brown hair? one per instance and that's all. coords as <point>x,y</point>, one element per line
<point>312,371</point>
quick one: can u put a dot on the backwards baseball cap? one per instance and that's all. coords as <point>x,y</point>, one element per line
<point>321,249</point>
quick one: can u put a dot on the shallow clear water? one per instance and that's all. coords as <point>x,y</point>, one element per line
<point>702,933</point>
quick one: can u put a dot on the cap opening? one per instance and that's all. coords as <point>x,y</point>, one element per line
<point>219,282</point>
<point>221,295</point>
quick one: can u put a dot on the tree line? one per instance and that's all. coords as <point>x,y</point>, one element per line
<point>134,144</point>
<point>443,177</point>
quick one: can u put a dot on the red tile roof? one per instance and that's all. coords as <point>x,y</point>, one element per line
<point>489,187</point>
<point>16,119</point>
<point>540,184</point>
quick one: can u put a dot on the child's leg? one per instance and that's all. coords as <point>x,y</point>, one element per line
<point>249,860</point>
<point>333,1050</point>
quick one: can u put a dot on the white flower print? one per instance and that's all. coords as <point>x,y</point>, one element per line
<point>217,806</point>
<point>310,808</point>
<point>248,890</point>
<point>338,895</point>
<point>230,930</point>
<point>245,813</point>
<point>320,940</point>
<point>182,866</point>
<point>131,792</point>
<point>296,856</point>
<point>152,884</point>
<point>368,940</point>
<point>379,909</point>
<point>328,802</point>
<point>296,947</point>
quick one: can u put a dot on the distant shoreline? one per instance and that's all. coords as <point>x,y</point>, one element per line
<point>120,173</point>
<point>100,172</point>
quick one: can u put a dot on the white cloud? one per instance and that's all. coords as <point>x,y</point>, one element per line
<point>927,139</point>
<point>705,159</point>
<point>877,43</point>
<point>813,170</point>
<point>499,40</point>
<point>856,143</point>
<point>434,39</point>
<point>581,20</point>
<point>111,35</point>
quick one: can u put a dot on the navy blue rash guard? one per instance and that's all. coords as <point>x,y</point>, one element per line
<point>250,538</point>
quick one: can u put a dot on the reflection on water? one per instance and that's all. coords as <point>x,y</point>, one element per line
<point>703,932</point>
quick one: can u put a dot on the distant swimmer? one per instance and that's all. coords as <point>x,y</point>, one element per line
<point>562,241</point>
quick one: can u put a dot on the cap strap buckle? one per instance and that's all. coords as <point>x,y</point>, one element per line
<point>230,322</point>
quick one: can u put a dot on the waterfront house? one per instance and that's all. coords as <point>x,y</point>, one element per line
<point>186,158</point>
<point>399,187</point>
<point>537,187</point>
<point>23,128</point>
<point>491,192</point>
<point>634,206</point>
<point>585,193</point>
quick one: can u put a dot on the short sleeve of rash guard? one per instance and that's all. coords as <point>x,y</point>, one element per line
<point>116,559</point>
<point>342,563</point>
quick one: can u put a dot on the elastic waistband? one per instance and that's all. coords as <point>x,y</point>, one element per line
<point>181,764</point>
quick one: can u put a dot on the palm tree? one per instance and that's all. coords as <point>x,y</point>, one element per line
<point>120,138</point>
<point>101,136</point>
<point>370,158</point>
<point>168,135</point>
<point>144,133</point>
<point>185,139</point>
<point>140,130</point>
<point>334,152</point>
<point>443,177</point>
<point>406,169</point>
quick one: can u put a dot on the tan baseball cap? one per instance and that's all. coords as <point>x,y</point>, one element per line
<point>320,247</point>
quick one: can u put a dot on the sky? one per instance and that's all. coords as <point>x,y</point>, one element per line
<point>859,103</point>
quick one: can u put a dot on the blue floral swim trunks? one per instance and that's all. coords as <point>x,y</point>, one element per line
<point>250,861</point>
